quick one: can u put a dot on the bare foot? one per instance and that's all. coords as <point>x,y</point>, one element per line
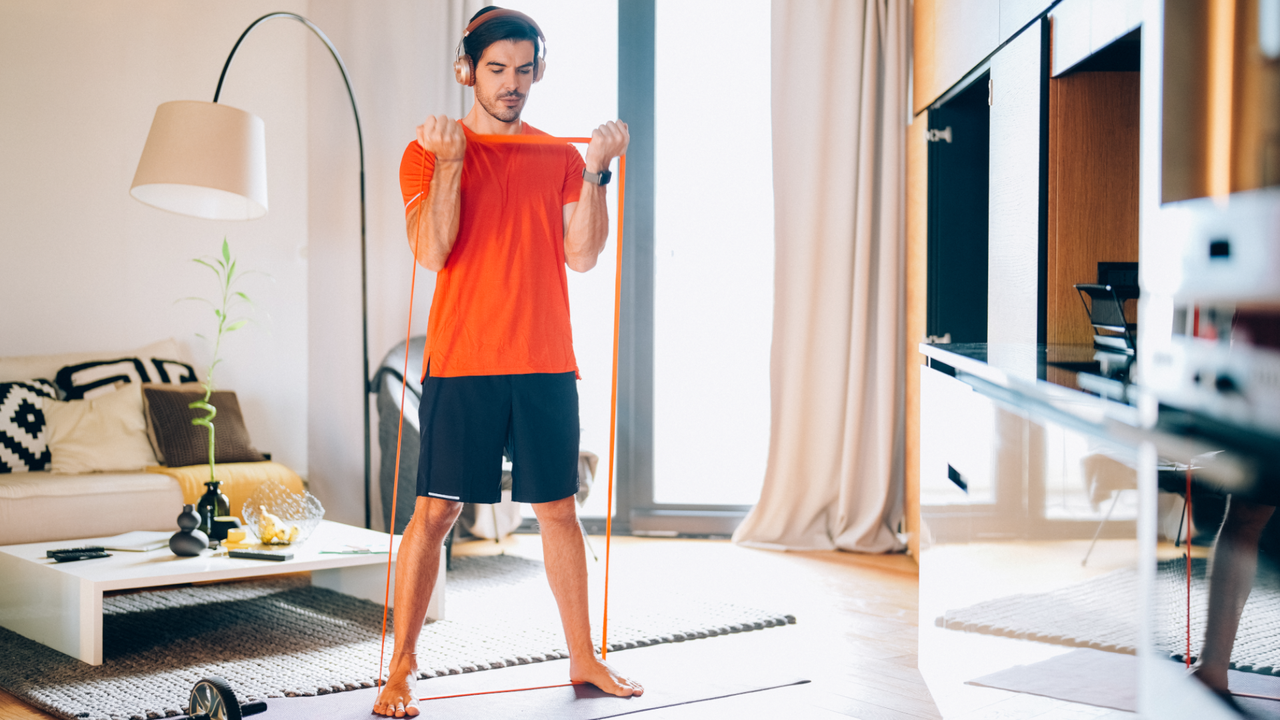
<point>398,698</point>
<point>598,673</point>
<point>1215,679</point>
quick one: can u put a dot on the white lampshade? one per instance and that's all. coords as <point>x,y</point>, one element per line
<point>204,159</point>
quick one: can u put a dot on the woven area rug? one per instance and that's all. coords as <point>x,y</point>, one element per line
<point>283,638</point>
<point>1101,613</point>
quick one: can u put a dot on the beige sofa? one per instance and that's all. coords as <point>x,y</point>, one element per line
<point>48,506</point>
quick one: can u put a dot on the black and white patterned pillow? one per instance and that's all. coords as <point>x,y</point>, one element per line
<point>97,377</point>
<point>24,445</point>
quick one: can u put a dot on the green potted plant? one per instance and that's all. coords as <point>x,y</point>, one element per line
<point>227,308</point>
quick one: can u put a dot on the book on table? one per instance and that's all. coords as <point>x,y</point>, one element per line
<point>137,541</point>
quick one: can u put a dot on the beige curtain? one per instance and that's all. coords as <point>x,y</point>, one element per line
<point>834,475</point>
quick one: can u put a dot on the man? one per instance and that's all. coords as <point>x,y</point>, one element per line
<point>498,223</point>
<point>1235,551</point>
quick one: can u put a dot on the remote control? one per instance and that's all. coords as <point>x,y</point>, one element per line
<point>260,555</point>
<point>87,555</point>
<point>73,551</point>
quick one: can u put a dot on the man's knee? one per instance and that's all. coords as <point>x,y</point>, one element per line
<point>434,515</point>
<point>1246,520</point>
<point>563,511</point>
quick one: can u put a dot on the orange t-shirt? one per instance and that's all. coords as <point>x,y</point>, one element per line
<point>501,305</point>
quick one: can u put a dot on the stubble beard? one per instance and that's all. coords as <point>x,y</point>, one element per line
<point>499,111</point>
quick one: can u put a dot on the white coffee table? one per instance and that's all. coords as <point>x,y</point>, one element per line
<point>60,604</point>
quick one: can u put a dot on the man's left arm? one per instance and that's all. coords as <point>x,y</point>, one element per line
<point>587,221</point>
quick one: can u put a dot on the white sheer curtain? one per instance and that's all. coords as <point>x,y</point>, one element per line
<point>834,476</point>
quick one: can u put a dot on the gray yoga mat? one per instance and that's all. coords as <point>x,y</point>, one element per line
<point>671,674</point>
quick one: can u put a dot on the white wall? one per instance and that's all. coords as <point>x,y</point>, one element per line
<point>83,266</point>
<point>98,270</point>
<point>399,54</point>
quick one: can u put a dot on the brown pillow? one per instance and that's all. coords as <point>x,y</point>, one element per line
<point>177,442</point>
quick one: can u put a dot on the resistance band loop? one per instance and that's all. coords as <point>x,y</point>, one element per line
<point>613,403</point>
<point>499,692</point>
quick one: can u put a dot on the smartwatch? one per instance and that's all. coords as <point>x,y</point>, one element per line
<point>600,178</point>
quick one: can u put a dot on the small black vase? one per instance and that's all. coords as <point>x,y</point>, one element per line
<point>213,504</point>
<point>189,541</point>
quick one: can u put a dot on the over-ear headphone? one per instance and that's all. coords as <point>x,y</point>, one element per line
<point>464,66</point>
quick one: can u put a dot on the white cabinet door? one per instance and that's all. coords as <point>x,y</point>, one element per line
<point>1016,212</point>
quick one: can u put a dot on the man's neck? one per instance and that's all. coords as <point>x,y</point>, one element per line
<point>482,123</point>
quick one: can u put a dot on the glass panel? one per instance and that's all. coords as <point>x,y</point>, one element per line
<point>578,93</point>
<point>1036,584</point>
<point>713,247</point>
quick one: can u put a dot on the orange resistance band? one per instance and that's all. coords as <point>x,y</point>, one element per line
<point>613,406</point>
<point>1187,509</point>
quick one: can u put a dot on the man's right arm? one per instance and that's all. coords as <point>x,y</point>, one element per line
<point>432,224</point>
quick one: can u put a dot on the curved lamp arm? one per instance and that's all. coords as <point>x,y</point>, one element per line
<point>364,281</point>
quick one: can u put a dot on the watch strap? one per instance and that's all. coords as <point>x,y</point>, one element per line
<point>600,178</point>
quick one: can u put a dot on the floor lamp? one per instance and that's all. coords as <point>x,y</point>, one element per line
<point>209,161</point>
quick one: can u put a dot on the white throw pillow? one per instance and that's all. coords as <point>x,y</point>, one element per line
<point>46,366</point>
<point>104,434</point>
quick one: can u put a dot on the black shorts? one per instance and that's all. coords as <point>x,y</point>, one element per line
<point>466,423</point>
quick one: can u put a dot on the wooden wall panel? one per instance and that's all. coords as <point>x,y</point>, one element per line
<point>917,291</point>
<point>1093,189</point>
<point>1255,131</point>
<point>1013,278</point>
<point>1184,131</point>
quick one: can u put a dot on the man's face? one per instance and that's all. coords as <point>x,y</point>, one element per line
<point>503,76</point>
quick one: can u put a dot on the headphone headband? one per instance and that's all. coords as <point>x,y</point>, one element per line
<point>503,12</point>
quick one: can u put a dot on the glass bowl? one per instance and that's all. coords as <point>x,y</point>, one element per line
<point>279,516</point>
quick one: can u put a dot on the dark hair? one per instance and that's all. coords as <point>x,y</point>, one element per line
<point>503,28</point>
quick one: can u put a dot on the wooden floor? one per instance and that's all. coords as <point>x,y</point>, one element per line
<point>855,638</point>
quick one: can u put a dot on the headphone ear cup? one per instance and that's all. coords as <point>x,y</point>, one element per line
<point>462,71</point>
<point>542,68</point>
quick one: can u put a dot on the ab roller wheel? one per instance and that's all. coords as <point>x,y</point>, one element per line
<point>213,699</point>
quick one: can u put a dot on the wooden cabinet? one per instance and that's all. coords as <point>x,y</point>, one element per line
<point>1093,190</point>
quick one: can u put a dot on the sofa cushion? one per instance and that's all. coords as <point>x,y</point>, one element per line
<point>178,443</point>
<point>92,378</point>
<point>24,441</point>
<point>104,434</point>
<point>43,506</point>
<point>160,360</point>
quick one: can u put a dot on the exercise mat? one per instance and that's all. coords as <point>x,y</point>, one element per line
<point>281,638</point>
<point>1110,680</point>
<point>671,674</point>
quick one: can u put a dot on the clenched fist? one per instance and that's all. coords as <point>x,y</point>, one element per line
<point>442,137</point>
<point>607,142</point>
